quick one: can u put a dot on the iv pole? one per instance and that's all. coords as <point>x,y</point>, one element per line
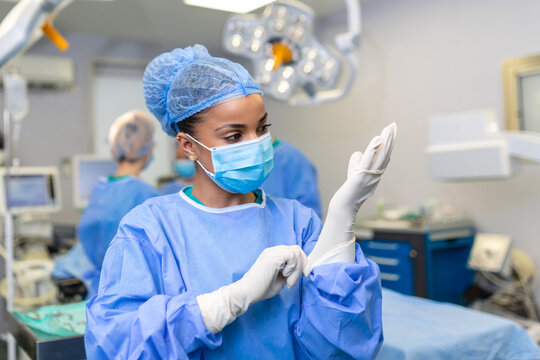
<point>8,217</point>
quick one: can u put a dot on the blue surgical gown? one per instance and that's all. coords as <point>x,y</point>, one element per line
<point>75,264</point>
<point>293,177</point>
<point>171,249</point>
<point>173,186</point>
<point>110,200</point>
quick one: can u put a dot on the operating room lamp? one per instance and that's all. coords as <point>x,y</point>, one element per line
<point>290,63</point>
<point>26,23</point>
<point>235,6</point>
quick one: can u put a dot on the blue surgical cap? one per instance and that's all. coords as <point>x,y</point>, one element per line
<point>183,82</point>
<point>131,136</point>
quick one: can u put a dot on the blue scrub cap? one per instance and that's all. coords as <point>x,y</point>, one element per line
<point>131,136</point>
<point>186,81</point>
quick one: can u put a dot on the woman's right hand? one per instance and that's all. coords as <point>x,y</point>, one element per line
<point>275,267</point>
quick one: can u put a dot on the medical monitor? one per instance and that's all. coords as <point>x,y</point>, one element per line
<point>30,190</point>
<point>87,171</point>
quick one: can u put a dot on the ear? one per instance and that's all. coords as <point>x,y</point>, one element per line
<point>186,144</point>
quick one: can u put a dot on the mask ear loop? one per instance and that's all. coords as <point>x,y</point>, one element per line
<point>210,174</point>
<point>192,138</point>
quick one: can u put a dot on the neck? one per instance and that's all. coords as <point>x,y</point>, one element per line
<point>129,168</point>
<point>210,194</point>
<point>187,180</point>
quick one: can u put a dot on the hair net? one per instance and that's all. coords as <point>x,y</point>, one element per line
<point>183,82</point>
<point>131,136</point>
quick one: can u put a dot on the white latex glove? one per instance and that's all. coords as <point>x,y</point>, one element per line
<point>337,242</point>
<point>275,267</point>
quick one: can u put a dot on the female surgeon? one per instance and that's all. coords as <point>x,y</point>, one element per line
<point>131,142</point>
<point>202,273</point>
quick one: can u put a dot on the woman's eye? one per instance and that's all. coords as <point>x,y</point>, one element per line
<point>233,137</point>
<point>264,128</point>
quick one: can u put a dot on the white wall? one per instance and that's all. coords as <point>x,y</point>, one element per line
<point>419,58</point>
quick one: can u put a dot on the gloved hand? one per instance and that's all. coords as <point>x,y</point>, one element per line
<point>336,242</point>
<point>275,267</point>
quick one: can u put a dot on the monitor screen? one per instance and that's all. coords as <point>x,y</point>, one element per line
<point>30,190</point>
<point>89,173</point>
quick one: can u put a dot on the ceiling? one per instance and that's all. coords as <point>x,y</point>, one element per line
<point>166,21</point>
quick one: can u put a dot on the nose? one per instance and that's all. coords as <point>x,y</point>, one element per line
<point>252,134</point>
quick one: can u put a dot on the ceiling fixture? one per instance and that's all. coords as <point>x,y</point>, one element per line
<point>235,6</point>
<point>290,63</point>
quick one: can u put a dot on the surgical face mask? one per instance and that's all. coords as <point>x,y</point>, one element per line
<point>241,167</point>
<point>184,168</point>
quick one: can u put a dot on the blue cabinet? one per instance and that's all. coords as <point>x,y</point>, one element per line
<point>429,261</point>
<point>394,261</point>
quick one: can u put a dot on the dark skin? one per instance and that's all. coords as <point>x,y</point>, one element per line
<point>228,123</point>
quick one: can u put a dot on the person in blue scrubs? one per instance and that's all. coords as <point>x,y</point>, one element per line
<point>184,169</point>
<point>131,143</point>
<point>293,177</point>
<point>215,270</point>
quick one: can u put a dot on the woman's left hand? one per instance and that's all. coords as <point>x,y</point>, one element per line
<point>336,242</point>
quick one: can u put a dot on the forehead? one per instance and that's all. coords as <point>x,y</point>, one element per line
<point>243,110</point>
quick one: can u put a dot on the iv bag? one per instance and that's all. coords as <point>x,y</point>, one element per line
<point>16,95</point>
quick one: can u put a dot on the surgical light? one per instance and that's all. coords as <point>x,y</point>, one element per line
<point>26,23</point>
<point>289,62</point>
<point>235,6</point>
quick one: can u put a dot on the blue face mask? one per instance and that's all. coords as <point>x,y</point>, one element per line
<point>184,168</point>
<point>241,167</point>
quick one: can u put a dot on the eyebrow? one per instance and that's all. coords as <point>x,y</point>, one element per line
<point>242,126</point>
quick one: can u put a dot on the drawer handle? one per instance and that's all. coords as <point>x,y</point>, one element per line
<point>384,261</point>
<point>390,277</point>
<point>382,246</point>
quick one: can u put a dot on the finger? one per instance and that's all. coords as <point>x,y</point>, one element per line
<point>389,147</point>
<point>297,272</point>
<point>294,261</point>
<point>272,257</point>
<point>289,267</point>
<point>381,156</point>
<point>294,277</point>
<point>285,257</point>
<point>354,162</point>
<point>278,284</point>
<point>356,158</point>
<point>370,152</point>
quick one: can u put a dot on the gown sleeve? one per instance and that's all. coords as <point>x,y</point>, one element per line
<point>341,306</point>
<point>131,317</point>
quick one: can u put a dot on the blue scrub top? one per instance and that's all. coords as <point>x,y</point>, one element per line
<point>111,199</point>
<point>172,248</point>
<point>293,177</point>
